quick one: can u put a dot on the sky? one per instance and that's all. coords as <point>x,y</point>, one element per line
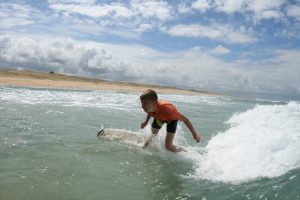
<point>240,47</point>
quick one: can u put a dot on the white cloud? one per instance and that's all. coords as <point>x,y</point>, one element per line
<point>73,1</point>
<point>220,50</point>
<point>152,9</point>
<point>277,74</point>
<point>266,9</point>
<point>114,9</point>
<point>183,8</point>
<point>193,68</point>
<point>219,32</point>
<point>131,19</point>
<point>294,11</point>
<point>12,15</point>
<point>136,15</point>
<point>257,9</point>
<point>202,5</point>
<point>292,32</point>
<point>61,55</point>
<point>144,27</point>
<point>229,6</point>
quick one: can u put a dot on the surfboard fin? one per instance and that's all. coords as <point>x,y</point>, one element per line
<point>100,132</point>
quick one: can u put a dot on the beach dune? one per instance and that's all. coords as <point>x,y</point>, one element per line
<point>21,78</point>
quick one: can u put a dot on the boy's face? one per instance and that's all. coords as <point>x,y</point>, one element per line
<point>148,105</point>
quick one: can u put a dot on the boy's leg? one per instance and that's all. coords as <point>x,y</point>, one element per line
<point>171,130</point>
<point>169,142</point>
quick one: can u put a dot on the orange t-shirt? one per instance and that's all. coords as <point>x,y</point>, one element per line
<point>166,111</point>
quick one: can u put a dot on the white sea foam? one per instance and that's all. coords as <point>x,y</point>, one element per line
<point>262,142</point>
<point>100,99</point>
<point>97,99</point>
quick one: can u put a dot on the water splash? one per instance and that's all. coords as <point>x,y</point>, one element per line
<point>262,142</point>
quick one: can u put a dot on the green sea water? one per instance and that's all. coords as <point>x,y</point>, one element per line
<point>250,149</point>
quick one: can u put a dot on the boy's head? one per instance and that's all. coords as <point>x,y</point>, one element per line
<point>148,100</point>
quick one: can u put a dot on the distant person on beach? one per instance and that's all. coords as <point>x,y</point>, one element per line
<point>163,112</point>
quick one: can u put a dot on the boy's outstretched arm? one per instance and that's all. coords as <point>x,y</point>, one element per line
<point>190,126</point>
<point>144,124</point>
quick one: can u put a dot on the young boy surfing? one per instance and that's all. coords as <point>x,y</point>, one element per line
<point>163,112</point>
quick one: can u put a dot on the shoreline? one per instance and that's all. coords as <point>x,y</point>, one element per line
<point>42,80</point>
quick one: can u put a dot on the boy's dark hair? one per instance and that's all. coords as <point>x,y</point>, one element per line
<point>149,95</point>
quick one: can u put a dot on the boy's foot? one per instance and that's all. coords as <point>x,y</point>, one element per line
<point>181,149</point>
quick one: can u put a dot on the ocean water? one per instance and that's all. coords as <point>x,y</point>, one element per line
<point>250,149</point>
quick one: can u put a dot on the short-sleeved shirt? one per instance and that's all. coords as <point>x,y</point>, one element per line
<point>166,111</point>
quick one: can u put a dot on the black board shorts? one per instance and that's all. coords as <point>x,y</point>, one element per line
<point>171,126</point>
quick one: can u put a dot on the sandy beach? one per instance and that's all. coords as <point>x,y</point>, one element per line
<point>19,78</point>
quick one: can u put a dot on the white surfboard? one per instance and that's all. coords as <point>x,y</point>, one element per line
<point>123,135</point>
<point>128,137</point>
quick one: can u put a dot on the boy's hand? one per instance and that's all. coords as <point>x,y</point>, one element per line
<point>144,124</point>
<point>197,137</point>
